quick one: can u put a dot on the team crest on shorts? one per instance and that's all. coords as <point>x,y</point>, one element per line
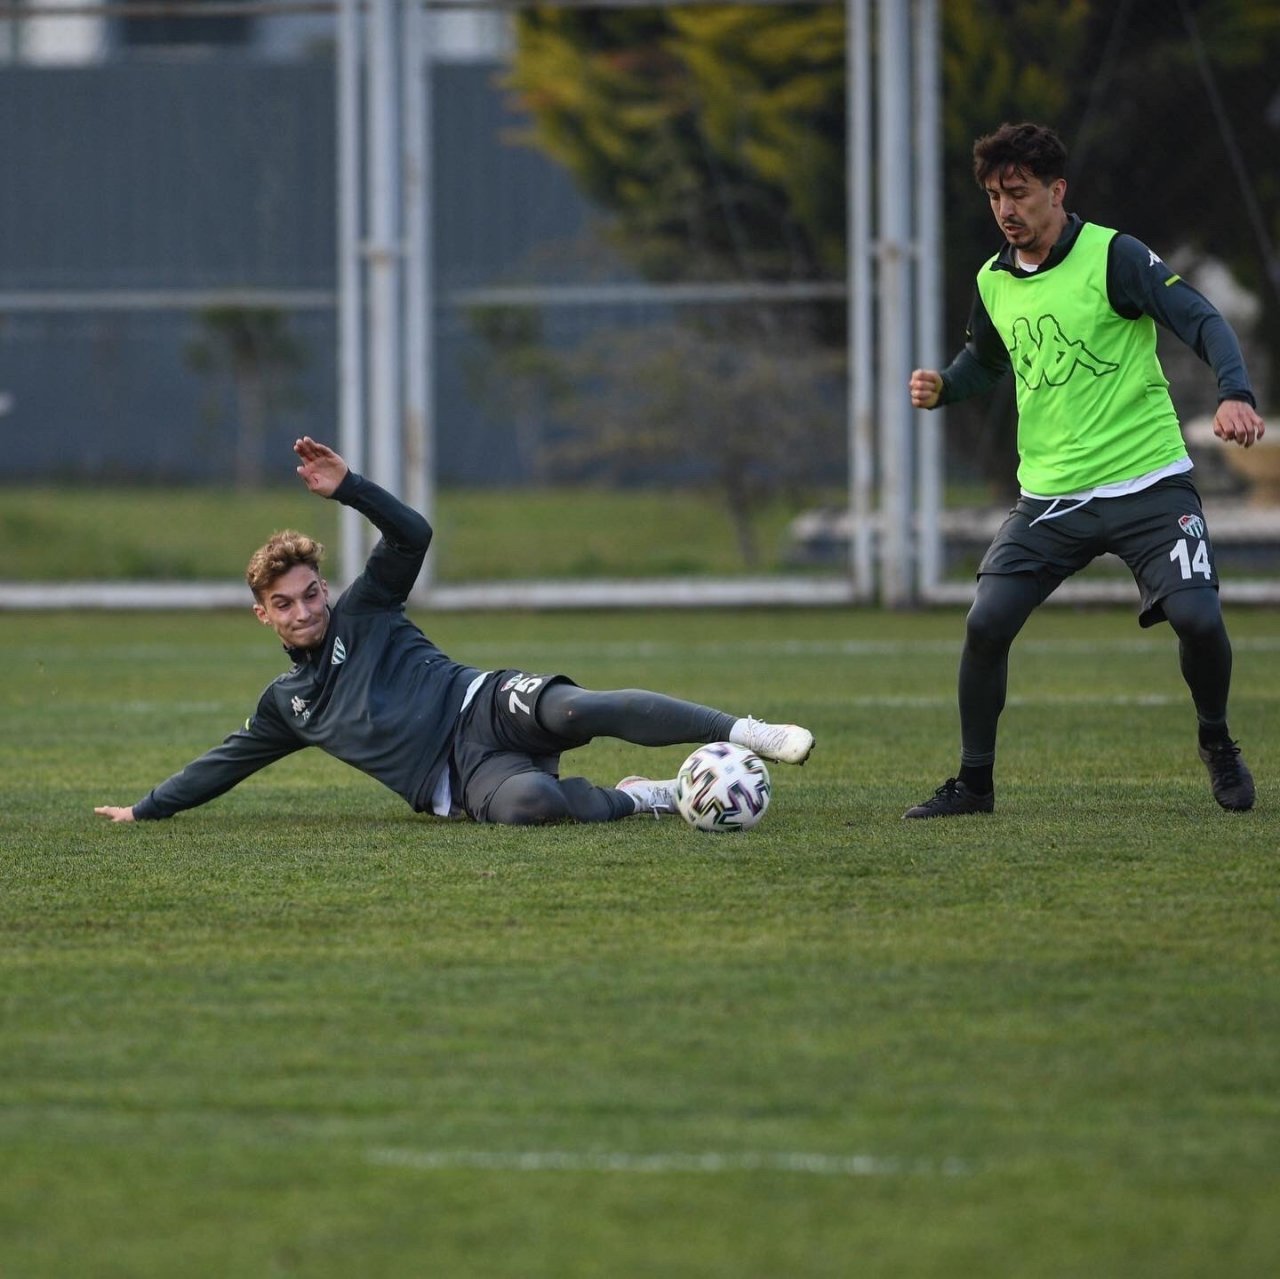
<point>1191,525</point>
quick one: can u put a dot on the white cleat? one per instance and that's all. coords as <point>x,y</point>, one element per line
<point>649,796</point>
<point>786,743</point>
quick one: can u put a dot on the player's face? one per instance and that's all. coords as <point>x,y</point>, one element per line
<point>1029,212</point>
<point>296,607</point>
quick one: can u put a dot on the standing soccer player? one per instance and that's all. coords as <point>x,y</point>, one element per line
<point>1072,308</point>
<point>369,688</point>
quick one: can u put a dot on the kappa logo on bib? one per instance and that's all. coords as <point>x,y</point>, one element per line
<point>1048,355</point>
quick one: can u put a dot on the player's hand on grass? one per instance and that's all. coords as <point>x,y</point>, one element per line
<point>1236,420</point>
<point>925,387</point>
<point>322,469</point>
<point>116,814</point>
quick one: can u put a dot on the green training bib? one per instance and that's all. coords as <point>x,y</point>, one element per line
<point>1093,401</point>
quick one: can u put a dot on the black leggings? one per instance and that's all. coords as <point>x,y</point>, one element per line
<point>1002,605</point>
<point>576,715</point>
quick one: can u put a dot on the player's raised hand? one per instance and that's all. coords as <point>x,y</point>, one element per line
<point>322,469</point>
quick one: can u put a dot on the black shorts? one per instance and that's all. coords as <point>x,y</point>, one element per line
<point>1159,532</point>
<point>499,736</point>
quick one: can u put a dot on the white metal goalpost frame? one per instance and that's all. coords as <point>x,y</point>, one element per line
<point>384,260</point>
<point>387,299</point>
<point>349,222</point>
<point>900,252</point>
<point>929,338</point>
<point>859,275</point>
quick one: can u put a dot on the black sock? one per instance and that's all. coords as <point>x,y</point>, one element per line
<point>1214,734</point>
<point>979,778</point>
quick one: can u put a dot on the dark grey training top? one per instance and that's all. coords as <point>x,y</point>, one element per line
<point>377,694</point>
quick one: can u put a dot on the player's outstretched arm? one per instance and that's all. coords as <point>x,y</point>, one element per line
<point>1238,421</point>
<point>116,814</point>
<point>322,469</point>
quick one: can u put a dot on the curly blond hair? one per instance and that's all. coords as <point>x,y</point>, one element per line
<point>281,552</point>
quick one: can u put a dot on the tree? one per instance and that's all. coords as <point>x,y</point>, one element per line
<point>709,133</point>
<point>715,136</point>
<point>518,377</point>
<point>748,421</point>
<point>1188,161</point>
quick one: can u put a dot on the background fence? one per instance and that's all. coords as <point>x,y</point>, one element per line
<point>649,301</point>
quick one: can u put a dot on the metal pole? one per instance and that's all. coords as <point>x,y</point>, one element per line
<point>928,290</point>
<point>383,250</point>
<point>351,423</point>
<point>860,276</point>
<point>418,415</point>
<point>894,176</point>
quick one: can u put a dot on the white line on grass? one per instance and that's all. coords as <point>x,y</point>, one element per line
<point>175,708</point>
<point>873,701</point>
<point>663,1162</point>
<point>629,649</point>
<point>1065,699</point>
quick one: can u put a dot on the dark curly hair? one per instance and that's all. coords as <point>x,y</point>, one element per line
<point>1031,149</point>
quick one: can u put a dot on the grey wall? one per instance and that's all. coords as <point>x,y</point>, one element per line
<point>220,173</point>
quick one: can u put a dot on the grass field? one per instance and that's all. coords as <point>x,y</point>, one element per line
<point>118,532</point>
<point>304,1032</point>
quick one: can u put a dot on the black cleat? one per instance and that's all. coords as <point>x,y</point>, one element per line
<point>1229,776</point>
<point>953,799</point>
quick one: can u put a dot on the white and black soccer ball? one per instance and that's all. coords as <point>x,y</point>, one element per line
<point>722,787</point>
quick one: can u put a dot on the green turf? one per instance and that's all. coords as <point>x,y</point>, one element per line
<point>137,533</point>
<point>302,1031</point>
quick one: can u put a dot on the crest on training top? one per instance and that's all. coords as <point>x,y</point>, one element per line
<point>1191,525</point>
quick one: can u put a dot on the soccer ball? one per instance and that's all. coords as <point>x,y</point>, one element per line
<point>722,787</point>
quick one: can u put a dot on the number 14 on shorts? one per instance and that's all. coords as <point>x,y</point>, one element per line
<point>1190,562</point>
